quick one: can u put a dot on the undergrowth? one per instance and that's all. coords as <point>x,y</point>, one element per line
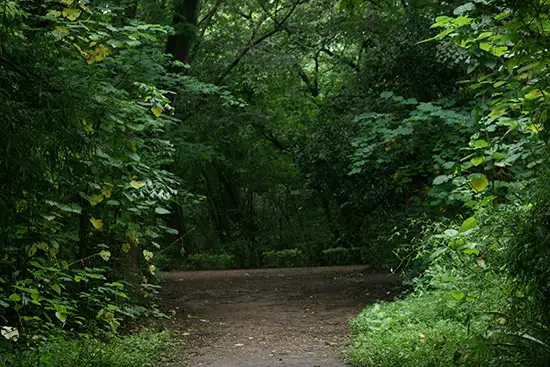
<point>139,350</point>
<point>465,309</point>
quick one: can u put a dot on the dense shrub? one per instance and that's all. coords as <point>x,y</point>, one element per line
<point>465,308</point>
<point>168,263</point>
<point>284,259</point>
<point>210,262</point>
<point>422,330</point>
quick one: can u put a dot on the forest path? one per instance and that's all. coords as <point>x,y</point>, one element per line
<point>268,317</point>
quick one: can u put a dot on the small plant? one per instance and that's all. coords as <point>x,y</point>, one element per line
<point>289,258</point>
<point>341,256</point>
<point>210,262</point>
<point>142,349</point>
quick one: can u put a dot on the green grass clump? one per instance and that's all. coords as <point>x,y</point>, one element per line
<point>417,331</point>
<point>138,350</point>
<point>289,258</point>
<point>204,261</point>
<point>458,313</point>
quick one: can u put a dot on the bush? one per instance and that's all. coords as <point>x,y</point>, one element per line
<point>139,350</point>
<point>419,331</point>
<point>290,258</point>
<point>166,262</point>
<point>459,312</point>
<point>342,256</point>
<point>210,262</point>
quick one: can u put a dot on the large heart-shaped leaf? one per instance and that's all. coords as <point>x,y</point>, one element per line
<point>479,183</point>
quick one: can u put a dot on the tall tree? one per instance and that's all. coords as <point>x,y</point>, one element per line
<point>184,21</point>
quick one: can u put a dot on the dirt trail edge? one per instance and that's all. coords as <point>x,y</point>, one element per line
<point>268,317</point>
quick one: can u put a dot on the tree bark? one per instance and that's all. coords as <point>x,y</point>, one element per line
<point>130,11</point>
<point>185,21</point>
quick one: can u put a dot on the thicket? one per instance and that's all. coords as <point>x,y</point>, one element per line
<point>481,298</point>
<point>178,134</point>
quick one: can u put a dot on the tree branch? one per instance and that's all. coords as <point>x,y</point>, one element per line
<point>210,14</point>
<point>206,22</point>
<point>343,60</point>
<point>244,51</point>
<point>313,88</point>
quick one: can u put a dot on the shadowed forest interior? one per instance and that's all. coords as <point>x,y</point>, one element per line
<point>142,137</point>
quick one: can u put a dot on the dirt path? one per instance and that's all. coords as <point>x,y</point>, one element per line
<point>268,317</point>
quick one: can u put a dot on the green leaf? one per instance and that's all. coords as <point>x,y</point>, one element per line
<point>15,297</point>
<point>148,255</point>
<point>161,211</point>
<point>126,247</point>
<point>97,223</point>
<point>470,251</point>
<point>70,208</point>
<point>48,217</point>
<point>61,316</point>
<point>157,110</point>
<point>464,8</point>
<point>113,202</point>
<point>97,55</point>
<point>105,255</point>
<point>480,144</point>
<point>71,13</point>
<point>95,199</point>
<point>535,94</point>
<point>441,179</point>
<point>31,250</point>
<point>451,232</point>
<point>134,156</point>
<point>386,94</point>
<point>479,183</point>
<point>10,333</point>
<point>468,224</point>
<point>53,13</point>
<point>498,51</point>
<point>458,295</point>
<point>137,184</point>
<point>57,288</point>
<point>476,161</point>
<point>485,46</point>
<point>498,112</point>
<point>499,156</point>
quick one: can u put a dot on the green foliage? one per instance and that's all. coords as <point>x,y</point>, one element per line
<point>482,287</point>
<point>342,256</point>
<point>387,141</point>
<point>458,310</point>
<point>289,258</point>
<point>141,349</point>
<point>324,129</point>
<point>412,333</point>
<point>210,262</point>
<point>83,158</point>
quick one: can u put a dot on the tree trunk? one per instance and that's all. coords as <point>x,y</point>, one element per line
<point>185,20</point>
<point>130,11</point>
<point>84,230</point>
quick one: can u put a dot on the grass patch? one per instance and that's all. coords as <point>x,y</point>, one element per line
<point>421,330</point>
<point>139,350</point>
